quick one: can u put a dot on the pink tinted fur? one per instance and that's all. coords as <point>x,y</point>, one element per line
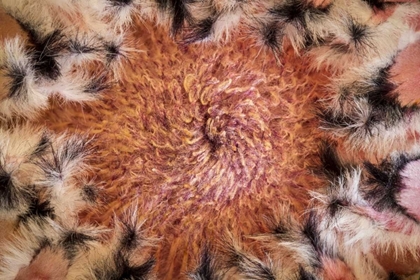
<point>409,197</point>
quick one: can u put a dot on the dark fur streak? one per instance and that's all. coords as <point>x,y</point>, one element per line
<point>90,193</point>
<point>359,33</point>
<point>332,165</point>
<point>200,31</point>
<point>205,270</point>
<point>385,106</point>
<point>386,182</point>
<point>37,210</point>
<point>259,270</point>
<point>311,232</point>
<point>77,47</point>
<point>305,275</point>
<point>42,146</point>
<point>45,50</point>
<point>74,240</point>
<point>44,243</point>
<point>121,3</point>
<point>272,36</point>
<point>378,4</point>
<point>72,150</point>
<point>330,120</point>
<point>17,75</point>
<point>340,48</point>
<point>280,230</point>
<point>112,51</point>
<point>130,237</point>
<point>334,206</point>
<point>97,85</point>
<point>124,271</point>
<point>384,179</point>
<point>45,54</point>
<point>294,12</point>
<point>179,12</point>
<point>8,193</point>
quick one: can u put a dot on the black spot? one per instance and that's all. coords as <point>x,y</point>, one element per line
<point>37,210</point>
<point>305,275</point>
<point>377,4</point>
<point>9,197</point>
<point>90,193</point>
<point>200,30</point>
<point>359,33</point>
<point>272,36</point>
<point>42,146</point>
<point>393,276</point>
<point>206,270</point>
<point>73,241</point>
<point>112,51</point>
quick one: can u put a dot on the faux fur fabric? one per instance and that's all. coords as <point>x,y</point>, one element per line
<point>221,140</point>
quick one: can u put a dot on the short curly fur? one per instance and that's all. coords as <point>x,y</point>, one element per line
<point>76,49</point>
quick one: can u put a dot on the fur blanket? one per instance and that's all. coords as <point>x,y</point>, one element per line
<point>215,139</point>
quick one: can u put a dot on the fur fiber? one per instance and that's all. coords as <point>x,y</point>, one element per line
<point>215,139</point>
